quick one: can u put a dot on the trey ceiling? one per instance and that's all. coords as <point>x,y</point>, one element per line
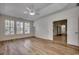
<point>44,9</point>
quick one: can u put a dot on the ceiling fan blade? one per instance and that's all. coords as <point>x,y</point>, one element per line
<point>25,12</point>
<point>31,10</point>
<point>28,9</point>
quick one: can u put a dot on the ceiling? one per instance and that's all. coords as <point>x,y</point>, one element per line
<point>44,9</point>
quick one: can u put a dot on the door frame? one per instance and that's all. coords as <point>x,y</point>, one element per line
<point>57,30</point>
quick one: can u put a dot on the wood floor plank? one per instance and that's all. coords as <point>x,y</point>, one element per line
<point>35,46</point>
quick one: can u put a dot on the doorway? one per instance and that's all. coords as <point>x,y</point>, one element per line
<point>60,31</point>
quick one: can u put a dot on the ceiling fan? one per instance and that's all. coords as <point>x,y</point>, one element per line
<point>31,11</point>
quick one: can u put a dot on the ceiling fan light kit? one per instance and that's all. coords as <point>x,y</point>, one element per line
<point>32,13</point>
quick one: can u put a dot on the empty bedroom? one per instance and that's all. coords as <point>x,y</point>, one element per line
<point>39,28</point>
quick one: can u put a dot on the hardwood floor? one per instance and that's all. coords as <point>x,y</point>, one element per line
<point>60,39</point>
<point>35,46</point>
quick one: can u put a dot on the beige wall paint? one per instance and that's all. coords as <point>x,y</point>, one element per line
<point>8,37</point>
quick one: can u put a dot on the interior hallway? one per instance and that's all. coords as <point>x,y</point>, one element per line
<point>36,46</point>
<point>60,31</point>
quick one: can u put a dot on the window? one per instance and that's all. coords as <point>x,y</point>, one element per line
<point>9,27</point>
<point>19,27</point>
<point>26,27</point>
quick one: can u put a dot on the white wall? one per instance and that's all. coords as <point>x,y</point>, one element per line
<point>44,26</point>
<point>8,37</point>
